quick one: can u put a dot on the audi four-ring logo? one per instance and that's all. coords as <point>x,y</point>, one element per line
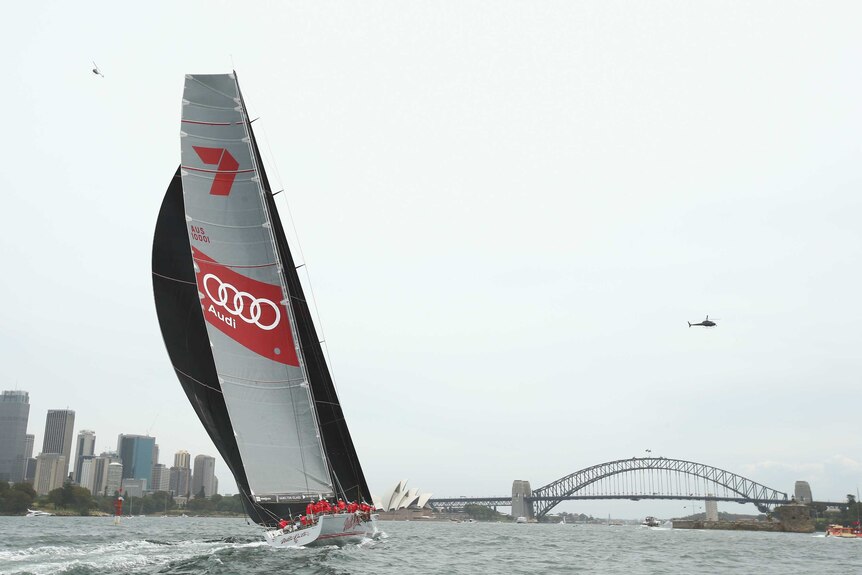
<point>235,304</point>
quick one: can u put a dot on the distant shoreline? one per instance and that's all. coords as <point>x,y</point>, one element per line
<point>101,514</point>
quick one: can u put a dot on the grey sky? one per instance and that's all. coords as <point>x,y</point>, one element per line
<point>509,211</point>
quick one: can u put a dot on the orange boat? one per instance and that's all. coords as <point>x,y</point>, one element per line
<point>842,531</point>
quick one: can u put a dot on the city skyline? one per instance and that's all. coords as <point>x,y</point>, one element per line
<point>86,446</point>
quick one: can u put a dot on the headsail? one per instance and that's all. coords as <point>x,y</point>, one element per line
<point>288,429</point>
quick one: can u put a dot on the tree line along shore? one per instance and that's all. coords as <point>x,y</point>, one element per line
<point>72,500</point>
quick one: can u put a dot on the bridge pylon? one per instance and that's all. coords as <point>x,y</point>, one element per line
<point>521,506</point>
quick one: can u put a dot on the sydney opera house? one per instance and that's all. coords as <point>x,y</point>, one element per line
<point>400,498</point>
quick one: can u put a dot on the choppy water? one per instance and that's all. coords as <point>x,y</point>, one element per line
<point>82,545</point>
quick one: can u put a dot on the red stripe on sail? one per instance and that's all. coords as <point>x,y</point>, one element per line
<point>248,311</point>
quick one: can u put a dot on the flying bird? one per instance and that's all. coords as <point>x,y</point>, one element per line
<point>96,70</point>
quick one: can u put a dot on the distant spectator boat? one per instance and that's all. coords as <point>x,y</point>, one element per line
<point>37,513</point>
<point>845,532</point>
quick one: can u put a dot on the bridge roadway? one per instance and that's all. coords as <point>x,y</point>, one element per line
<point>634,479</point>
<point>459,502</point>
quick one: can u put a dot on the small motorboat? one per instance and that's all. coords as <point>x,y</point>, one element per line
<point>37,513</point>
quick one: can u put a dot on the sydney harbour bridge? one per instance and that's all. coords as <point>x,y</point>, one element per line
<point>634,479</point>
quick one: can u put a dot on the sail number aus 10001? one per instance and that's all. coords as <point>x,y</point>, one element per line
<point>199,233</point>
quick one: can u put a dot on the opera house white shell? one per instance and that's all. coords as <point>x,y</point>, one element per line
<point>399,497</point>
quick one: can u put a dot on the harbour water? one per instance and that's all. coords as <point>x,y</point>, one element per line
<point>144,545</point>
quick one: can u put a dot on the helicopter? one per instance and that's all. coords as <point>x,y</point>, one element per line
<point>705,323</point>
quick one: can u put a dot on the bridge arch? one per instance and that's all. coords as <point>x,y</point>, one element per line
<point>743,489</point>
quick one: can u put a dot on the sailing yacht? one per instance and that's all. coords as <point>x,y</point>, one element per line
<point>239,332</point>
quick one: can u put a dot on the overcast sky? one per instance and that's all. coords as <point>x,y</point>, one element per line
<point>509,211</point>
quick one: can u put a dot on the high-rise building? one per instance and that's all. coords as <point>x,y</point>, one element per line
<point>50,472</point>
<point>99,473</point>
<point>85,473</point>
<point>181,474</point>
<point>180,481</point>
<point>114,478</point>
<point>86,448</point>
<point>29,440</point>
<point>136,453</point>
<point>203,475</point>
<point>29,461</point>
<point>14,413</point>
<point>58,435</point>
<point>161,478</point>
<point>182,458</point>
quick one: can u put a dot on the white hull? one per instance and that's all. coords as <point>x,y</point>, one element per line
<point>338,529</point>
<point>31,513</point>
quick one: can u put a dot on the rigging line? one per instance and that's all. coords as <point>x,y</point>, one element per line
<point>173,279</point>
<point>257,505</point>
<point>178,370</point>
<point>302,255</point>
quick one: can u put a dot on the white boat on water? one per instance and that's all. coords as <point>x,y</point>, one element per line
<point>337,529</point>
<point>240,334</point>
<point>521,520</point>
<point>650,521</point>
<point>37,513</point>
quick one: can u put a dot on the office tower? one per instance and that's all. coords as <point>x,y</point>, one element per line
<point>161,480</point>
<point>136,453</point>
<point>181,474</point>
<point>114,478</point>
<point>58,435</point>
<point>29,462</point>
<point>182,458</point>
<point>203,475</point>
<point>180,481</point>
<point>14,413</point>
<point>99,473</point>
<point>50,472</point>
<point>86,447</point>
<point>85,473</point>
